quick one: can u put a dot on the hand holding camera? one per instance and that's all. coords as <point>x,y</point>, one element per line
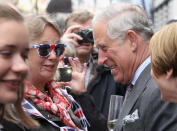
<point>65,72</point>
<point>70,37</point>
<point>87,36</point>
<point>77,82</point>
<point>74,34</point>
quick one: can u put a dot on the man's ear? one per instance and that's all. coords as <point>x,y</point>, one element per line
<point>169,74</point>
<point>132,36</point>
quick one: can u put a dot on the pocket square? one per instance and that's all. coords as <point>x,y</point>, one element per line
<point>1,127</point>
<point>131,117</point>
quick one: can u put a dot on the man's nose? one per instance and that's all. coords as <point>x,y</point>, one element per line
<point>101,57</point>
<point>52,54</point>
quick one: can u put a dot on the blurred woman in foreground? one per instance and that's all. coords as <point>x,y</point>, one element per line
<point>163,47</point>
<point>13,69</point>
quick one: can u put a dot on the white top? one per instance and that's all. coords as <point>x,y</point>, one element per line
<point>1,127</point>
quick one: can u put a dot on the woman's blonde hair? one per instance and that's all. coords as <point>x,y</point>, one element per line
<point>16,113</point>
<point>163,48</point>
<point>36,25</point>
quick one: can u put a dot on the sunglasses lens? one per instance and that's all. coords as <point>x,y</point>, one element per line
<point>59,49</point>
<point>44,50</point>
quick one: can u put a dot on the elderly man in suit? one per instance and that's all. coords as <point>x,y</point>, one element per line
<point>122,33</point>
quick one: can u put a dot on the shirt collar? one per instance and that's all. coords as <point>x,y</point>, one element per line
<point>90,61</point>
<point>140,69</point>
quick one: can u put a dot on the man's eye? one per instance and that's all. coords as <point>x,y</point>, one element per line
<point>104,49</point>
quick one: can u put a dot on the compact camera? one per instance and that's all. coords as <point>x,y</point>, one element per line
<point>65,74</point>
<point>87,36</point>
<point>66,60</point>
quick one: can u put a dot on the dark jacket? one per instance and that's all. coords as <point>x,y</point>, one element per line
<point>102,87</point>
<point>95,118</point>
<point>44,126</point>
<point>10,126</point>
<point>95,103</point>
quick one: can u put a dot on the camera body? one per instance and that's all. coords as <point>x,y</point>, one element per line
<point>66,60</point>
<point>87,36</point>
<point>65,74</point>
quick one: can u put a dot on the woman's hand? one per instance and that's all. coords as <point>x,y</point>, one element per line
<point>77,83</point>
<point>78,77</point>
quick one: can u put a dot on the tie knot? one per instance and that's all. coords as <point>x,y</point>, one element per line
<point>130,86</point>
<point>128,90</point>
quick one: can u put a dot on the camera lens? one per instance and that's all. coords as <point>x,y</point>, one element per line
<point>89,37</point>
<point>66,60</point>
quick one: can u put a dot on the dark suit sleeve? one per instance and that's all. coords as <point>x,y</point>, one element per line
<point>159,115</point>
<point>10,126</point>
<point>95,118</point>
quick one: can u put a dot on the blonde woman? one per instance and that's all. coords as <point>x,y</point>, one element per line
<point>13,69</point>
<point>163,47</point>
<point>47,102</point>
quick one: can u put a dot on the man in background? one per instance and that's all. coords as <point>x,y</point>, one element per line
<point>78,29</point>
<point>78,36</point>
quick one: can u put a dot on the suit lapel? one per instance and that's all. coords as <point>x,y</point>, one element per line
<point>137,90</point>
<point>93,75</point>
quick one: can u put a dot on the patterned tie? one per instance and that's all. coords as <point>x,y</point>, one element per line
<point>127,93</point>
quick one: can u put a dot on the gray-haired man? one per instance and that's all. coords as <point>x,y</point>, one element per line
<point>122,33</point>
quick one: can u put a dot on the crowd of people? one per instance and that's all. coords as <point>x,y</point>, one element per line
<point>113,52</point>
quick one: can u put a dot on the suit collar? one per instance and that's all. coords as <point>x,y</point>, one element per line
<point>137,90</point>
<point>140,69</point>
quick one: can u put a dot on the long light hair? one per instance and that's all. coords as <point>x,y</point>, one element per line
<point>36,25</point>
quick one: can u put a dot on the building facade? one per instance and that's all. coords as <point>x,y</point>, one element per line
<point>162,12</point>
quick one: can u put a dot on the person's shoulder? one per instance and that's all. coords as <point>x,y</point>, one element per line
<point>151,89</point>
<point>152,84</point>
<point>150,93</point>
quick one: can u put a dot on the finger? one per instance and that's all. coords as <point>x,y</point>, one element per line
<point>78,63</point>
<point>67,84</point>
<point>73,36</point>
<point>72,41</point>
<point>85,69</point>
<point>72,63</point>
<point>65,66</point>
<point>61,84</point>
<point>73,28</point>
